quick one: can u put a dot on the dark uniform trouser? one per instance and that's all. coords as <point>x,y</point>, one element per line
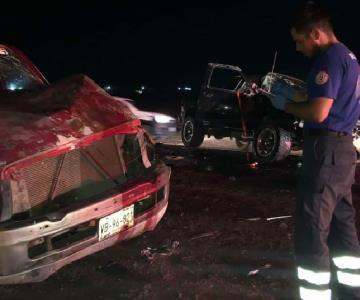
<point>325,232</point>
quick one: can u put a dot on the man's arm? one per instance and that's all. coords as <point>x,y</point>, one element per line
<point>316,110</point>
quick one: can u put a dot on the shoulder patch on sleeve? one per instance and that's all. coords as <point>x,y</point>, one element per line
<point>321,78</point>
<point>352,56</point>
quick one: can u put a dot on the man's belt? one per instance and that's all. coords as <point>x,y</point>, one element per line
<point>324,132</point>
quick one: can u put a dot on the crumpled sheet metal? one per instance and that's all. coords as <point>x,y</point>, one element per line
<point>59,114</point>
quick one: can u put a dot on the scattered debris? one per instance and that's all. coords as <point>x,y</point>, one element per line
<point>253,272</point>
<point>208,234</point>
<point>266,219</point>
<point>250,219</point>
<point>166,250</point>
<point>278,218</point>
<point>256,271</point>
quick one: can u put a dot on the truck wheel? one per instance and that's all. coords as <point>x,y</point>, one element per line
<point>271,143</point>
<point>192,133</point>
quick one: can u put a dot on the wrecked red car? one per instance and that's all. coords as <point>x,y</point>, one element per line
<point>78,172</point>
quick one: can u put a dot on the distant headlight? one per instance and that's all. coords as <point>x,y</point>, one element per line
<point>163,119</point>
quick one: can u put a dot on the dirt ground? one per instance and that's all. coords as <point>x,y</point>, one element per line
<point>217,239</point>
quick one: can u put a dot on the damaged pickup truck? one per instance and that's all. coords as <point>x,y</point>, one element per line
<point>78,172</point>
<point>230,104</point>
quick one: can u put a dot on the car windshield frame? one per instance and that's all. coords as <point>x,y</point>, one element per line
<point>15,74</point>
<point>231,70</point>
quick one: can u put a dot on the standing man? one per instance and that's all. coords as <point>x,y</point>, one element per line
<point>326,241</point>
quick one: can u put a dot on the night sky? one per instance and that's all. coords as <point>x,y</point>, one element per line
<point>161,44</point>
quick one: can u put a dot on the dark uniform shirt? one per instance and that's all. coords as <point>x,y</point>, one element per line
<point>335,74</point>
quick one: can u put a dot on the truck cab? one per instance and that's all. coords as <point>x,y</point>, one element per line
<point>228,105</point>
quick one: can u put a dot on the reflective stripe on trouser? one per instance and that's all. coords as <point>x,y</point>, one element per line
<point>348,270</point>
<point>325,216</point>
<point>312,294</point>
<point>324,209</point>
<point>313,285</point>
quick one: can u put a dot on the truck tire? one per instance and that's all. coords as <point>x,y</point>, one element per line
<point>271,143</point>
<point>192,133</point>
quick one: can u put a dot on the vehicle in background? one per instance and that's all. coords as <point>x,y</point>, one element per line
<point>228,106</point>
<point>231,104</point>
<point>158,125</point>
<point>78,171</point>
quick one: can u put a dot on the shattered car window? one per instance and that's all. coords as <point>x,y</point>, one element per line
<point>14,75</point>
<point>225,79</point>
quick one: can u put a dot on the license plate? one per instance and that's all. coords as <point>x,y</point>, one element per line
<point>116,222</point>
<point>172,129</point>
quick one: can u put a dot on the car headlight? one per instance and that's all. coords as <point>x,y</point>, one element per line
<point>163,119</point>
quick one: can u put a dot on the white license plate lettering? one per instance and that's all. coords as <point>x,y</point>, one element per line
<point>116,222</point>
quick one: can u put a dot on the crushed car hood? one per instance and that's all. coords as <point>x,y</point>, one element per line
<point>56,115</point>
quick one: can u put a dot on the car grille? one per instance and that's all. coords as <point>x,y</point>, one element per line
<point>55,176</point>
<point>75,175</point>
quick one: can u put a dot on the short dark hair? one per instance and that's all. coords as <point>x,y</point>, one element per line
<point>312,15</point>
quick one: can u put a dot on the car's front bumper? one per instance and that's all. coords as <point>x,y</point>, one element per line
<point>17,267</point>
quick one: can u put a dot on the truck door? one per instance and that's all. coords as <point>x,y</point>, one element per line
<point>217,100</point>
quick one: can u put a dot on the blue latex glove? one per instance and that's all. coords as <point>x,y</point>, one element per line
<point>279,88</point>
<point>279,101</point>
